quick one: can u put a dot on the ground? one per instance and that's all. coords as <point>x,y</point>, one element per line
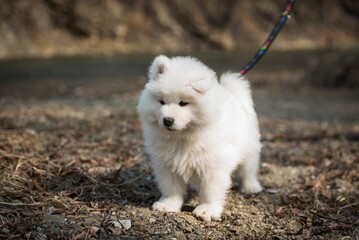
<point>72,166</point>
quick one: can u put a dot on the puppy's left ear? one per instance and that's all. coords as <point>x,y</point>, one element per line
<point>158,67</point>
<point>203,85</point>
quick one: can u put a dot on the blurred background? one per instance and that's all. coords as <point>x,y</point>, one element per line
<point>92,27</point>
<point>103,47</point>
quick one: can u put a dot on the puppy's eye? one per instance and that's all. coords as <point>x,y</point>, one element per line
<point>183,103</point>
<point>162,102</point>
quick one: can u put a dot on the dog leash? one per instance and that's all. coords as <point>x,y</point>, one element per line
<point>284,16</point>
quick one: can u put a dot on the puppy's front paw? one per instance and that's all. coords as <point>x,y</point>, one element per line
<point>167,205</point>
<point>207,212</point>
<point>252,186</point>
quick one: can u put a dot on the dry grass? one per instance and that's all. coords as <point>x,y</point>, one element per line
<point>72,167</point>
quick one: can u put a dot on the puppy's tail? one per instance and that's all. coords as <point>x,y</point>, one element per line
<point>238,86</point>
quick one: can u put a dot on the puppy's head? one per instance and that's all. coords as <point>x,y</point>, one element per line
<point>174,96</point>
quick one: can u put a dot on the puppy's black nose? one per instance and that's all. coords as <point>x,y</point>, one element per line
<point>168,121</point>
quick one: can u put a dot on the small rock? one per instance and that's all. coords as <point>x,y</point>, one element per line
<point>126,223</point>
<point>57,231</point>
<point>187,229</point>
<point>272,190</point>
<point>93,231</point>
<point>294,227</point>
<point>53,218</point>
<point>115,224</point>
<point>152,220</point>
<point>178,235</point>
<point>30,131</point>
<point>184,227</point>
<point>228,212</point>
<point>4,230</point>
<point>191,236</point>
<point>51,210</point>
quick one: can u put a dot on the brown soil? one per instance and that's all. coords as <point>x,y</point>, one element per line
<point>73,167</point>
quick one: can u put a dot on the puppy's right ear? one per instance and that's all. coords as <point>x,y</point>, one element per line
<point>158,67</point>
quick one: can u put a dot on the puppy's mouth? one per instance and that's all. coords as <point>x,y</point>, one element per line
<point>171,129</point>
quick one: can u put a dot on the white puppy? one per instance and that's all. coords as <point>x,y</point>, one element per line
<point>198,131</point>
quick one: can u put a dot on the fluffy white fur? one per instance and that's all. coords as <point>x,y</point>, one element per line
<point>206,139</point>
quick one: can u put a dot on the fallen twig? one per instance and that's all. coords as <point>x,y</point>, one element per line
<point>318,215</point>
<point>349,205</point>
<point>20,204</point>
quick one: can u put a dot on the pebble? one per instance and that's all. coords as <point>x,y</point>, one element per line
<point>272,190</point>
<point>53,218</point>
<point>93,231</point>
<point>57,231</point>
<point>116,224</point>
<point>228,212</point>
<point>4,230</point>
<point>294,227</point>
<point>152,220</point>
<point>51,210</point>
<point>126,223</point>
<point>187,229</point>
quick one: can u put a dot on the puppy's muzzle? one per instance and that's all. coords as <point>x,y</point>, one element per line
<point>168,121</point>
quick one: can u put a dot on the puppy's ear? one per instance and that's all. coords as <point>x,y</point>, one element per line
<point>202,85</point>
<point>158,67</point>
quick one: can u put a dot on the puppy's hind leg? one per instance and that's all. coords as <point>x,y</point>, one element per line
<point>247,173</point>
<point>173,190</point>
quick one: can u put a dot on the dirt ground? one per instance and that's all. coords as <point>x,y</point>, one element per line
<point>73,167</point>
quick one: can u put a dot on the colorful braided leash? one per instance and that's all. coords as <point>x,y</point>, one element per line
<point>265,46</point>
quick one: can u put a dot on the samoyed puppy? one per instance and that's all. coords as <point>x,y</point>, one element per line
<point>198,131</point>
